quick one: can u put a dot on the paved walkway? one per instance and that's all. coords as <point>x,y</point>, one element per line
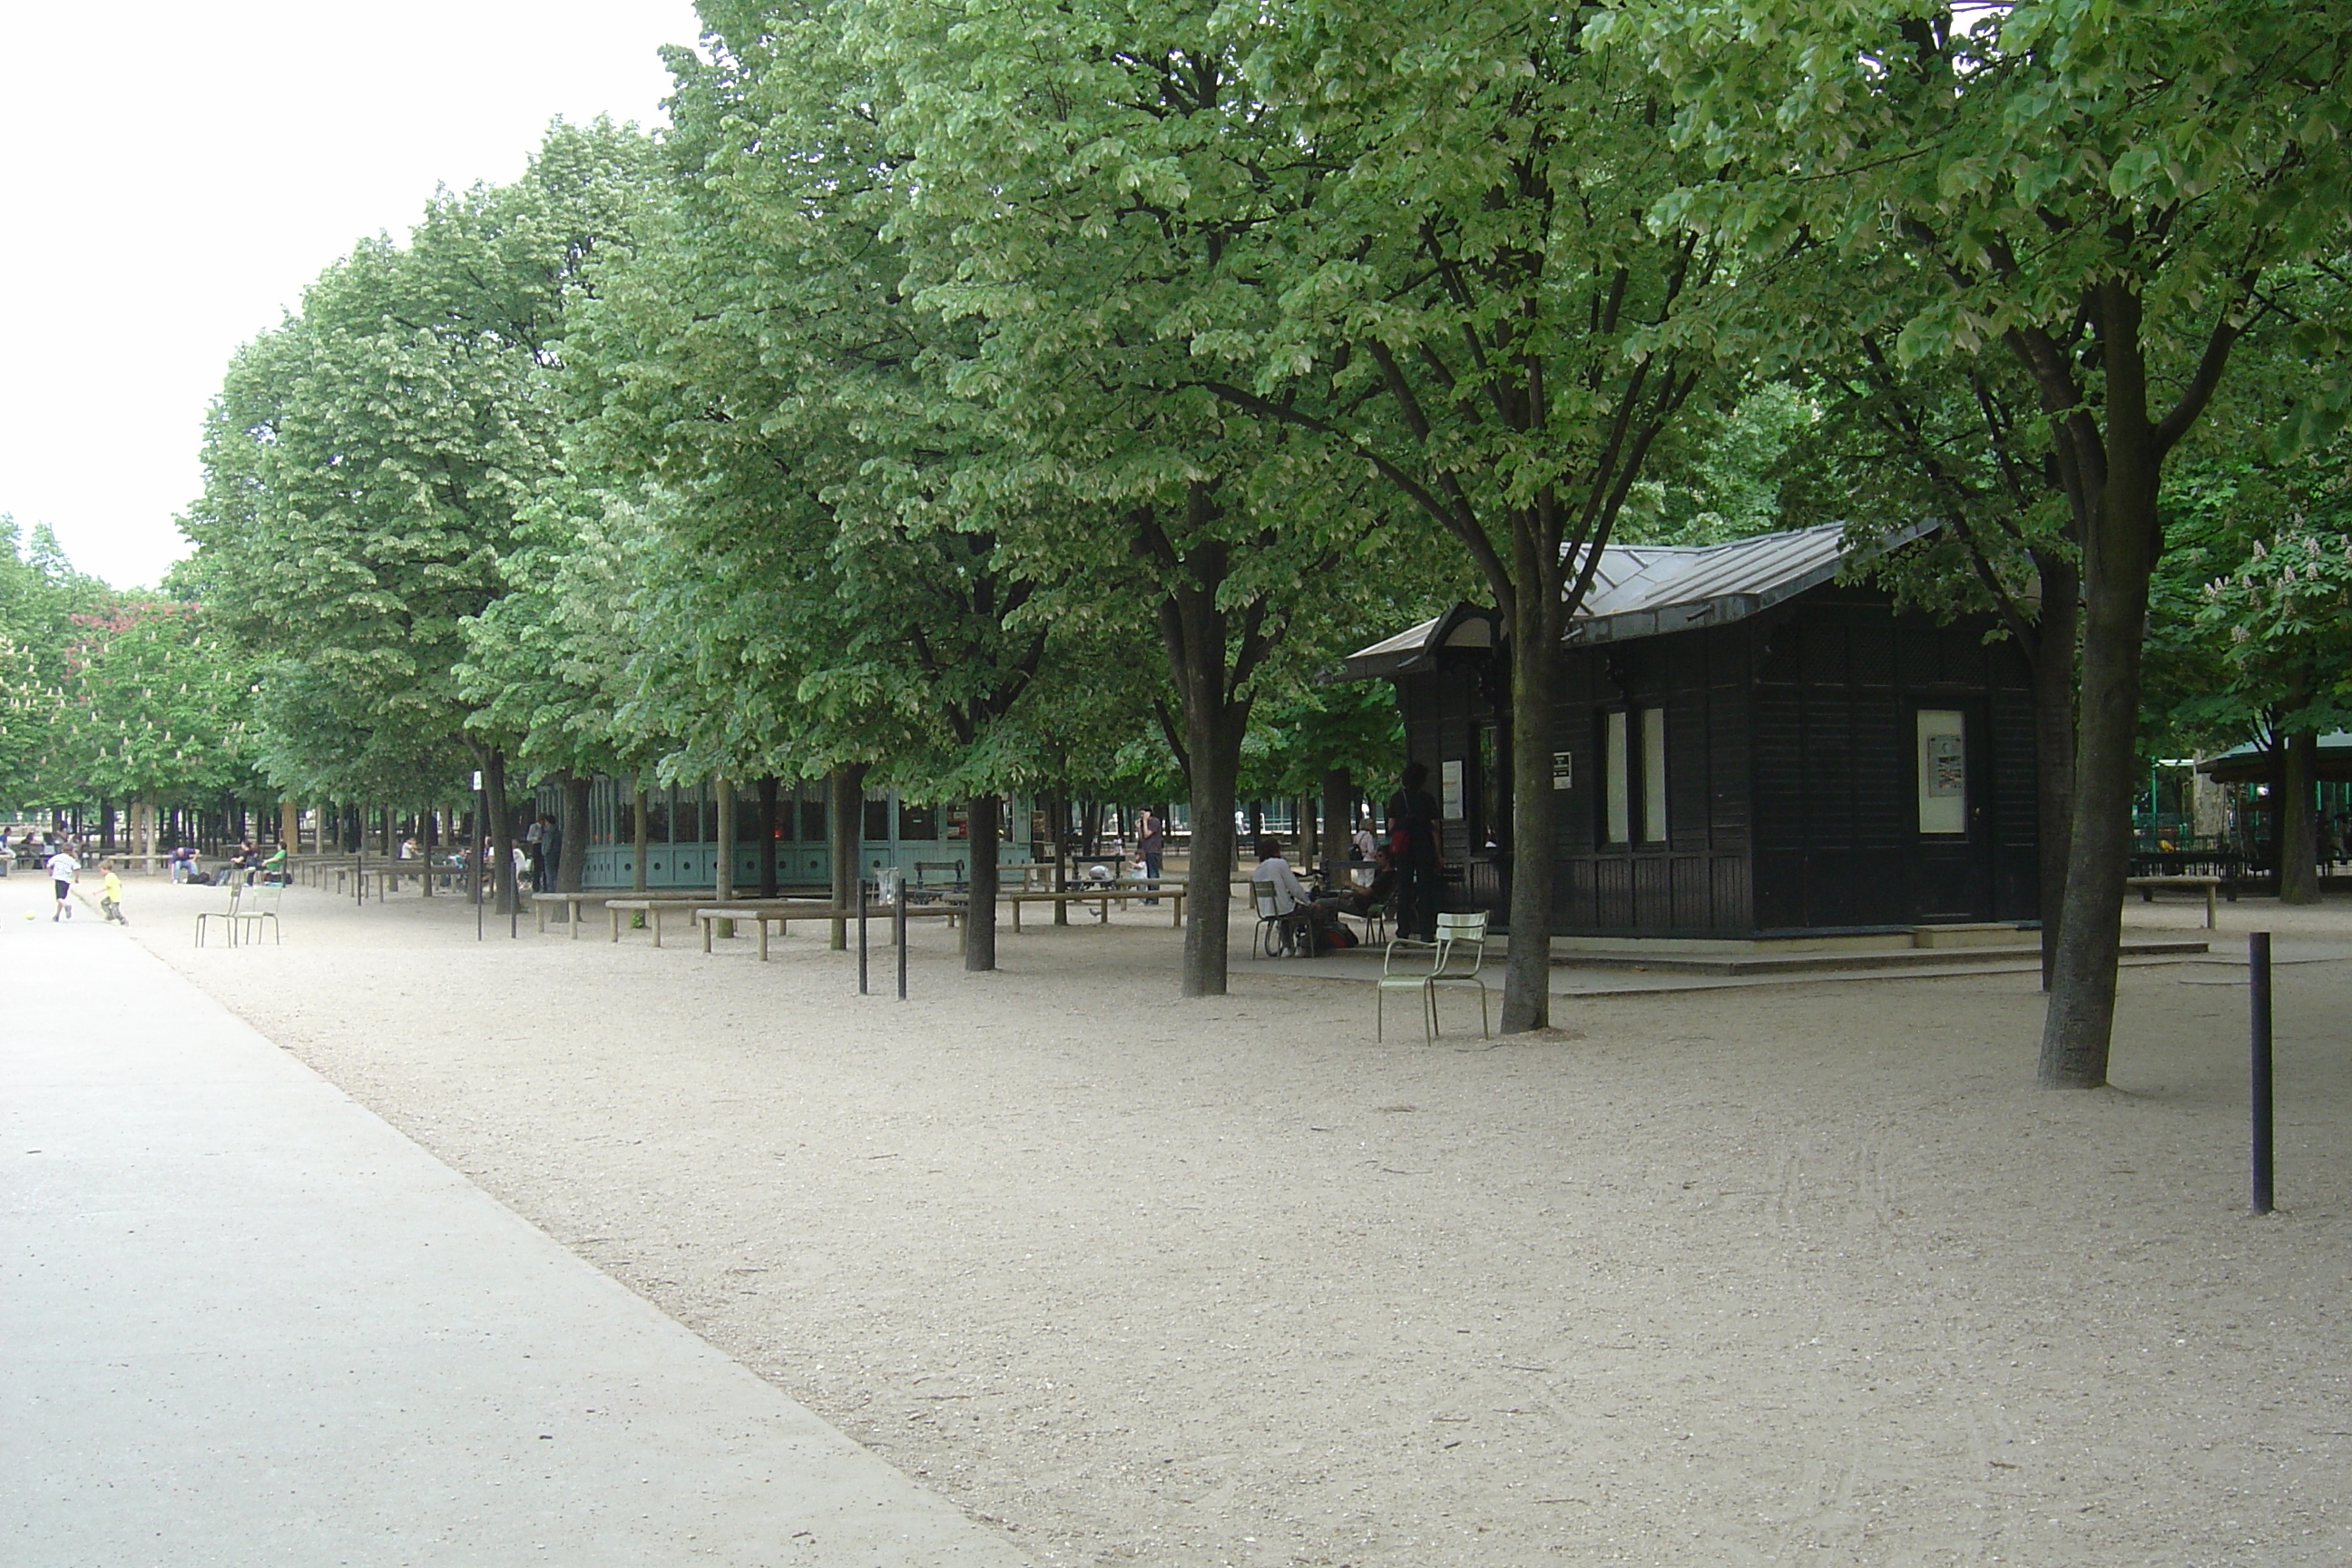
<point>246,1323</point>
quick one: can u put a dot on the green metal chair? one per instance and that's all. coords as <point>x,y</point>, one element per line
<point>227,917</point>
<point>261,903</point>
<point>1456,959</point>
<point>1278,933</point>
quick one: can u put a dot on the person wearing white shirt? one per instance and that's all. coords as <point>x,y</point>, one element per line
<point>1291,895</point>
<point>64,870</point>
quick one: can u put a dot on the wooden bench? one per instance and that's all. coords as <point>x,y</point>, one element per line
<point>651,907</point>
<point>2208,885</point>
<point>1124,892</point>
<point>573,904</point>
<point>782,912</point>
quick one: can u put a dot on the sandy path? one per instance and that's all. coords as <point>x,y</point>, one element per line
<point>1806,1274</point>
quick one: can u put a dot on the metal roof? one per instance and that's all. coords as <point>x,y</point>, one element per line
<point>1646,590</point>
<point>2252,760</point>
<point>1416,648</point>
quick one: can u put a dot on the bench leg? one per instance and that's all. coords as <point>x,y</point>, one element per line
<point>653,919</point>
<point>616,920</point>
<point>572,916</point>
<point>2208,909</point>
<point>707,927</point>
<point>1016,917</point>
<point>764,941</point>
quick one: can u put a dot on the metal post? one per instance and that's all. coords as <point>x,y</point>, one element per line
<point>898,919</point>
<point>861,936</point>
<point>2258,997</point>
<point>474,866</point>
<point>359,873</point>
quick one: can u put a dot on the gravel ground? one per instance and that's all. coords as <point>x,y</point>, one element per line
<point>1808,1273</point>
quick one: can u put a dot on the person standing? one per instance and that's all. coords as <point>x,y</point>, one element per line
<point>64,871</point>
<point>549,858</point>
<point>1413,847</point>
<point>1149,843</point>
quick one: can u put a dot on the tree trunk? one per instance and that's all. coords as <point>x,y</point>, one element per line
<point>2054,749</point>
<point>1338,815</point>
<point>571,830</point>
<point>723,831</point>
<point>2296,829</point>
<point>768,793</point>
<point>980,914</point>
<point>1527,962</point>
<point>2118,557</point>
<point>846,800</point>
<point>501,824</point>
<point>1062,854</point>
<point>1215,719</point>
<point>1216,769</point>
<point>640,839</point>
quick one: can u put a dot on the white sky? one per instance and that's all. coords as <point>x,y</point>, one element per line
<point>175,173</point>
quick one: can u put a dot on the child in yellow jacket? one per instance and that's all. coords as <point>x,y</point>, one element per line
<point>109,897</point>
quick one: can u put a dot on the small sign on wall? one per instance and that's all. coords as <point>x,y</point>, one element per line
<point>1449,776</point>
<point>1563,770</point>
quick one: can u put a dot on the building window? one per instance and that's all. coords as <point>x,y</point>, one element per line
<point>1634,770</point>
<point>813,827</point>
<point>1654,775</point>
<point>919,821</point>
<point>877,826</point>
<point>1617,778</point>
<point>1943,772</point>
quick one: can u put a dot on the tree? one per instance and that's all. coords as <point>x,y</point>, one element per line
<point>2107,195</point>
<point>1090,190</point>
<point>760,363</point>
<point>158,710</point>
<point>367,462</point>
<point>1474,309</point>
<point>2251,625</point>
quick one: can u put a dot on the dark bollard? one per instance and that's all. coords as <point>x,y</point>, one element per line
<point>2258,1000</point>
<point>898,920</point>
<point>861,936</point>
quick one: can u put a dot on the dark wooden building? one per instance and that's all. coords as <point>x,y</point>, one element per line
<point>1746,749</point>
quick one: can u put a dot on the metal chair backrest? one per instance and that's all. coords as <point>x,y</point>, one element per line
<point>1262,894</point>
<point>1457,930</point>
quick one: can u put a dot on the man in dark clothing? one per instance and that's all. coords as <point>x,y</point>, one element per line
<point>1414,845</point>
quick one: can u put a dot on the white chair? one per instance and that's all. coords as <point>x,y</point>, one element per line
<point>261,903</point>
<point>227,917</point>
<point>1456,958</point>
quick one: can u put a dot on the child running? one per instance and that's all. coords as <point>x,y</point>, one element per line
<point>64,871</point>
<point>110,896</point>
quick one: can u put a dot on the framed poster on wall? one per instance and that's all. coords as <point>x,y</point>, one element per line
<point>1943,772</point>
<point>1449,775</point>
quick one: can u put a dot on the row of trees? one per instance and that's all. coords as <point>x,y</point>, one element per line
<point>1038,396</point>
<point>133,699</point>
